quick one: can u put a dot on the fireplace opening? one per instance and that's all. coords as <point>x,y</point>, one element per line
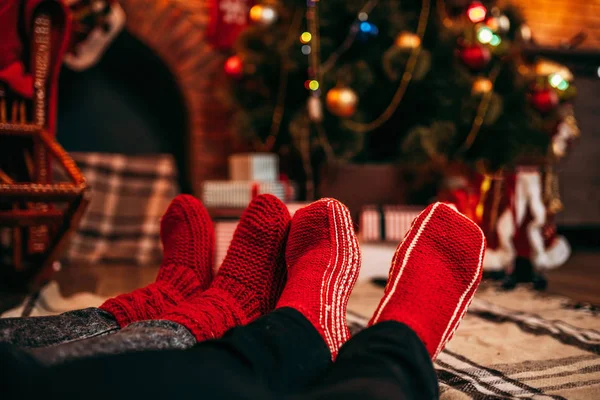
<point>129,103</point>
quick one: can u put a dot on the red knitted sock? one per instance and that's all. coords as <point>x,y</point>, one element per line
<point>187,234</point>
<point>434,275</point>
<point>250,278</point>
<point>323,263</point>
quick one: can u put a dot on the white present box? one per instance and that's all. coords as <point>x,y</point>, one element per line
<point>388,223</point>
<point>263,167</point>
<point>238,194</point>
<point>224,230</point>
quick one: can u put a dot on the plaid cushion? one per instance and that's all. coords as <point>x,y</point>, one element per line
<point>129,196</point>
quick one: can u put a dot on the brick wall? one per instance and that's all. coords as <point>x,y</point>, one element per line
<point>175,30</point>
<point>553,21</point>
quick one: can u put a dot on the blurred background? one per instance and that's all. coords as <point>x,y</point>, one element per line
<point>110,108</point>
<point>385,105</point>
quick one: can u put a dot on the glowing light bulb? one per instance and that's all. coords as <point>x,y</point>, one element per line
<point>268,15</point>
<point>495,40</point>
<point>313,85</point>
<point>476,12</point>
<point>363,16</point>
<point>234,67</point>
<point>256,13</point>
<point>564,85</point>
<point>306,37</point>
<point>485,35</point>
<point>365,27</point>
<point>555,80</point>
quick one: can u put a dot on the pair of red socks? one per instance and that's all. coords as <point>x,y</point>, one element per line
<point>433,277</point>
<point>247,285</point>
<point>434,273</point>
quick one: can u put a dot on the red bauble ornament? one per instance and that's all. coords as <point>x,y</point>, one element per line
<point>234,67</point>
<point>544,100</point>
<point>475,56</point>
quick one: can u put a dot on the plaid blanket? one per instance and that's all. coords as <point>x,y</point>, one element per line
<point>517,344</point>
<point>129,196</point>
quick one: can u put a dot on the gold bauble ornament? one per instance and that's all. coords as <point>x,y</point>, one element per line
<point>408,40</point>
<point>342,101</point>
<point>263,14</point>
<point>481,86</point>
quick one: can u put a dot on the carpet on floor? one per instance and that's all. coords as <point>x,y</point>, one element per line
<point>518,344</point>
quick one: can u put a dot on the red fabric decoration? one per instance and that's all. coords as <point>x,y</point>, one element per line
<point>434,275</point>
<point>228,18</point>
<point>187,234</point>
<point>17,80</point>
<point>323,264</point>
<point>11,47</point>
<point>287,187</point>
<point>16,71</point>
<point>250,279</point>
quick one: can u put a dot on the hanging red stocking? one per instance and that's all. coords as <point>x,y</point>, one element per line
<point>228,19</point>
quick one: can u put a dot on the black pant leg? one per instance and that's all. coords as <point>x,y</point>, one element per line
<point>385,361</point>
<point>277,354</point>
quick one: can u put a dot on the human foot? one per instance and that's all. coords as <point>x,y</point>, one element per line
<point>187,234</point>
<point>435,272</point>
<point>250,279</point>
<point>323,263</point>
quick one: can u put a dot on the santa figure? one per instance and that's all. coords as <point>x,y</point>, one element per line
<point>516,211</point>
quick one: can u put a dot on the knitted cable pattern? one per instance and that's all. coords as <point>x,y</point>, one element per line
<point>250,279</point>
<point>187,235</point>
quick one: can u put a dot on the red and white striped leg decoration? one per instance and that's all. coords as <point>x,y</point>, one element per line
<point>323,264</point>
<point>434,274</point>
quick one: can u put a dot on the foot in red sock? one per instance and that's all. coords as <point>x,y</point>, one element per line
<point>323,264</point>
<point>250,279</point>
<point>187,234</point>
<point>434,275</point>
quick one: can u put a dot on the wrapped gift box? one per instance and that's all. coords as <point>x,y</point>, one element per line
<point>225,227</point>
<point>238,194</point>
<point>261,167</point>
<point>387,223</point>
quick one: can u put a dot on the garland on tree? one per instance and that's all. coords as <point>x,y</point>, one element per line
<point>404,81</point>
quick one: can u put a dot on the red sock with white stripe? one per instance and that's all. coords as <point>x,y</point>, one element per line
<point>434,275</point>
<point>187,235</point>
<point>250,279</point>
<point>323,261</point>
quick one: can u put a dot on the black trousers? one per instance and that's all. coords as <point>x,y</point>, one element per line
<point>278,356</point>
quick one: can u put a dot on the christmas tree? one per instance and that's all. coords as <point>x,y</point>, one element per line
<point>407,81</point>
